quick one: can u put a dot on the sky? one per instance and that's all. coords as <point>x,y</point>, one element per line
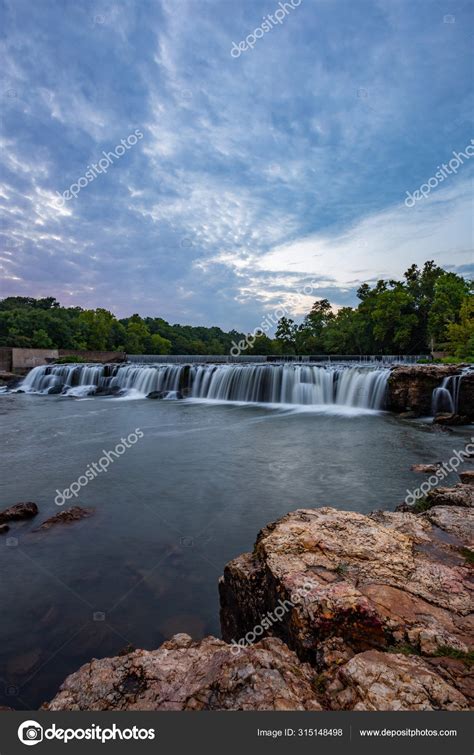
<point>279,150</point>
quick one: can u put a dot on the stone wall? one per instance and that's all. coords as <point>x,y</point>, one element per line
<point>23,360</point>
<point>5,359</point>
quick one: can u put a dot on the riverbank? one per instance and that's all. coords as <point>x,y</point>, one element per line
<point>331,610</point>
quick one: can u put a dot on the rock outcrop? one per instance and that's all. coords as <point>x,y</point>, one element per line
<point>467,477</point>
<point>187,675</point>
<point>459,495</point>
<point>393,582</point>
<point>410,389</point>
<point>382,681</point>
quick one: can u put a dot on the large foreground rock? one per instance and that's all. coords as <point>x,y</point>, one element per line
<point>350,583</point>
<point>187,675</point>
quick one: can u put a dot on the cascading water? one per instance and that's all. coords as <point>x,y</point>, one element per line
<point>297,384</point>
<point>446,397</point>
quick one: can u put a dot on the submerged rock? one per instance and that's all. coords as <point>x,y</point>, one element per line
<point>4,529</point>
<point>165,395</point>
<point>187,675</point>
<point>113,390</point>
<point>18,512</point>
<point>425,468</point>
<point>446,418</point>
<point>74,514</point>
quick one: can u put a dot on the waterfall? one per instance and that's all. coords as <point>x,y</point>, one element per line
<point>446,397</point>
<point>289,383</point>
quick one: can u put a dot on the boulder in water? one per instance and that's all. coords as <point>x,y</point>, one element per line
<point>55,389</point>
<point>425,468</point>
<point>18,512</point>
<point>113,390</point>
<point>67,516</point>
<point>4,529</point>
<point>165,395</point>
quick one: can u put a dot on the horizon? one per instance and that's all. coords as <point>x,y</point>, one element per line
<point>236,180</point>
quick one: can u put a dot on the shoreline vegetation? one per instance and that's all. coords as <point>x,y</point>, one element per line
<point>430,309</point>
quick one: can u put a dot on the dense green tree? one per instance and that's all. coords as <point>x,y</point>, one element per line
<point>286,334</point>
<point>344,333</point>
<point>429,307</point>
<point>460,335</point>
<point>450,291</point>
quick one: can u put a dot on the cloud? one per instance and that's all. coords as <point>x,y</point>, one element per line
<point>248,167</point>
<point>385,243</point>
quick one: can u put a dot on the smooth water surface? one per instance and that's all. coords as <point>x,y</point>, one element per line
<point>169,513</point>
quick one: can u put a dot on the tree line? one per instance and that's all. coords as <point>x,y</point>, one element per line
<point>430,308</point>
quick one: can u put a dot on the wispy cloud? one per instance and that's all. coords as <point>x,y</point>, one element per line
<point>254,174</point>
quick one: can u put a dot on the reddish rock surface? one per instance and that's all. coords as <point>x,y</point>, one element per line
<point>187,675</point>
<point>387,581</point>
<point>385,681</point>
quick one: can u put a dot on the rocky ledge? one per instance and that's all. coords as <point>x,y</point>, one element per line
<point>332,610</point>
<point>379,605</point>
<point>187,675</point>
<point>410,389</point>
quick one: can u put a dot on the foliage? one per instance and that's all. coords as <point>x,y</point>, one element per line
<point>460,334</point>
<point>70,359</point>
<point>43,323</point>
<point>430,309</point>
